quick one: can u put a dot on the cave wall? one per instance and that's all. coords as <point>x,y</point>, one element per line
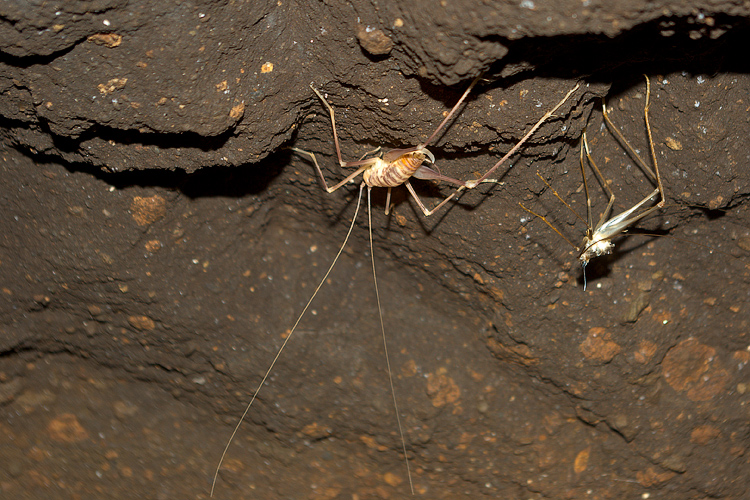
<point>160,239</point>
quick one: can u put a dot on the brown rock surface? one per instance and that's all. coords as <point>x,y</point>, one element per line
<point>159,240</point>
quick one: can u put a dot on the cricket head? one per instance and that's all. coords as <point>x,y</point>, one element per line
<point>425,153</point>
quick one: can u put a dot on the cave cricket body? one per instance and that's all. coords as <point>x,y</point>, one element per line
<point>390,169</point>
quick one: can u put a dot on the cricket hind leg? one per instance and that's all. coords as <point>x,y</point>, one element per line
<point>474,183</point>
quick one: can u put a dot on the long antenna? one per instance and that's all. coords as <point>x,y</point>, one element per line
<point>286,341</point>
<point>385,343</point>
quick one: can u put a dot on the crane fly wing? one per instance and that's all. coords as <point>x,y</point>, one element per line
<point>618,224</point>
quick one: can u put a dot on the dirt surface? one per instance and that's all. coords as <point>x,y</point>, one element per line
<point>159,239</point>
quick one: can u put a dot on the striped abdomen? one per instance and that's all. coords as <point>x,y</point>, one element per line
<point>393,174</point>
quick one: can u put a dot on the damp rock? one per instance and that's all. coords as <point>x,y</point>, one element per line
<point>637,306</point>
<point>9,390</point>
<point>374,41</point>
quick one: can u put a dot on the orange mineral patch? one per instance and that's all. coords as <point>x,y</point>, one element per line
<point>441,388</point>
<point>112,85</point>
<point>693,367</point>
<point>153,245</point>
<point>142,323</point>
<point>646,351</point>
<point>704,434</point>
<point>66,429</point>
<point>237,111</point>
<point>147,210</point>
<point>316,431</point>
<point>392,479</point>
<point>110,40</point>
<point>520,354</point>
<point>650,477</point>
<point>598,346</point>
<point>582,460</point>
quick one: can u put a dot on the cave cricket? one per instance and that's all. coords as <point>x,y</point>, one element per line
<point>598,239</point>
<point>390,169</point>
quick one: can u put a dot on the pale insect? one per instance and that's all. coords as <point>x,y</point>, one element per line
<point>390,170</point>
<point>598,240</point>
